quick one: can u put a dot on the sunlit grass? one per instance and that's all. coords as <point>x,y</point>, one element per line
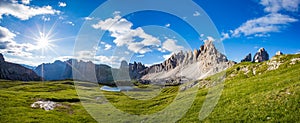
<point>272,96</point>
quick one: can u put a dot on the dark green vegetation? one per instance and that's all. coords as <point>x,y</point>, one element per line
<point>251,93</point>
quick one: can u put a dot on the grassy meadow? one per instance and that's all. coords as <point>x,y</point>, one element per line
<point>263,95</point>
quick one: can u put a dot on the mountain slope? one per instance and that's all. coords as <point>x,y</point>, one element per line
<point>11,71</point>
<point>255,92</point>
<point>51,71</point>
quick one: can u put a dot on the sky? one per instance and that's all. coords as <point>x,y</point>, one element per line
<point>40,31</point>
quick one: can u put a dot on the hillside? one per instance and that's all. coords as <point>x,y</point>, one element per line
<point>256,92</point>
<point>12,71</point>
<point>252,92</point>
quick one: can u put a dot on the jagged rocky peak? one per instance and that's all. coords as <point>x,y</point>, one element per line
<point>261,55</point>
<point>190,65</point>
<point>247,58</point>
<point>136,70</point>
<point>1,58</point>
<point>136,66</point>
<point>278,53</point>
<point>124,64</point>
<point>207,53</point>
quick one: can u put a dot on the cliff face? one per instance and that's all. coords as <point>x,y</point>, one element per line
<point>136,69</point>
<point>190,65</point>
<point>261,55</point>
<point>11,71</point>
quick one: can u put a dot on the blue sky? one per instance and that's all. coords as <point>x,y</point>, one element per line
<point>37,31</point>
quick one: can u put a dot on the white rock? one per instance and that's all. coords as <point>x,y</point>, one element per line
<point>46,105</point>
<point>273,65</point>
<point>294,60</point>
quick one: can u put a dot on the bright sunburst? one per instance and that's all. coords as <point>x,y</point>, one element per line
<point>43,41</point>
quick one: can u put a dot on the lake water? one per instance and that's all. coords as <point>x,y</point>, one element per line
<point>116,89</point>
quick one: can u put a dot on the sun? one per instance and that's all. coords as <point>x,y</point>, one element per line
<point>43,42</point>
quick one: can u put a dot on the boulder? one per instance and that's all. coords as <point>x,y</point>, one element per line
<point>248,58</point>
<point>261,55</point>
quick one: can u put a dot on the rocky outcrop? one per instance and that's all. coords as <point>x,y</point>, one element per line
<point>278,53</point>
<point>261,55</point>
<point>190,65</point>
<point>136,69</point>
<point>248,58</point>
<point>11,71</point>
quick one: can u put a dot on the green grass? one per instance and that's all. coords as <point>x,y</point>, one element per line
<point>16,98</point>
<point>272,96</point>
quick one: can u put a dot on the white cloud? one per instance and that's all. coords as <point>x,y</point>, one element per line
<point>196,13</point>
<point>107,47</point>
<point>6,35</point>
<point>87,55</point>
<point>171,46</point>
<point>102,42</point>
<point>140,56</point>
<point>275,6</point>
<point>45,18</point>
<point>25,1</point>
<point>63,58</point>
<point>24,12</point>
<point>70,23</point>
<point>168,25</point>
<point>274,21</point>
<point>9,46</point>
<point>224,36</point>
<point>264,25</point>
<point>116,13</point>
<point>167,56</point>
<point>62,4</point>
<point>209,38</point>
<point>88,18</point>
<point>201,35</point>
<point>136,40</point>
